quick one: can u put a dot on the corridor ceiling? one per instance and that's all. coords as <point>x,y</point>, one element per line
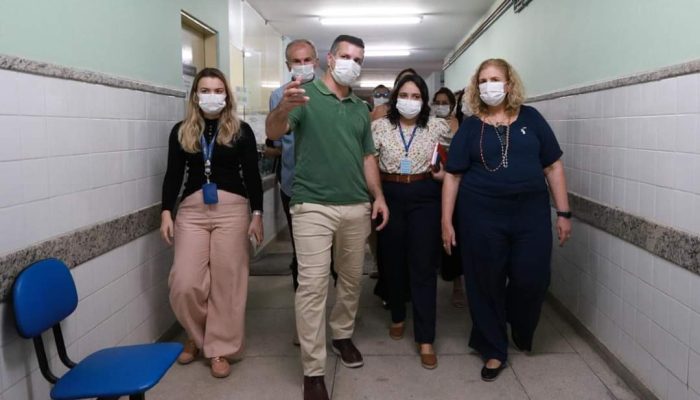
<point>445,23</point>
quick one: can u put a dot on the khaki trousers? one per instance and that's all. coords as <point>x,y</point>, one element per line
<point>317,228</point>
<point>209,278</point>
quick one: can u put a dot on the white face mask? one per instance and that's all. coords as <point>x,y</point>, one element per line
<point>305,72</point>
<point>378,101</point>
<point>346,72</point>
<point>492,93</point>
<point>442,111</point>
<point>409,108</point>
<point>211,103</point>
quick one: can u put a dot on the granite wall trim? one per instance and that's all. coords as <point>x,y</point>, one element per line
<point>19,64</point>
<point>79,246</point>
<point>676,246</point>
<point>690,67</point>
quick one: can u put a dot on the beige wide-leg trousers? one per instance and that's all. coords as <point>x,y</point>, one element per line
<point>209,278</point>
<point>317,228</point>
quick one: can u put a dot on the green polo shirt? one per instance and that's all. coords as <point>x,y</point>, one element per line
<point>332,137</point>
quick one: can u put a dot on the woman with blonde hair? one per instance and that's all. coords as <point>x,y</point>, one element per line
<point>209,277</point>
<point>502,165</point>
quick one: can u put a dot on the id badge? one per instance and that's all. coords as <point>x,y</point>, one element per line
<point>405,166</point>
<point>209,193</point>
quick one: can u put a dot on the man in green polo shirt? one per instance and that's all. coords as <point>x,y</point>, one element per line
<point>335,174</point>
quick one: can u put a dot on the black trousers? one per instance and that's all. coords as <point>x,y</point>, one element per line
<point>294,266</point>
<point>410,252</point>
<point>506,245</point>
<point>451,267</point>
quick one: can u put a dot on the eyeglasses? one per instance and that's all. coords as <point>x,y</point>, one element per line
<point>378,95</point>
<point>439,103</point>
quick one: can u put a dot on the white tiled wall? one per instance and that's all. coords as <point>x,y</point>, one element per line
<point>74,154</point>
<point>636,148</point>
<point>122,300</point>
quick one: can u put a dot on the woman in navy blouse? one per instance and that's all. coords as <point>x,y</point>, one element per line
<point>502,165</point>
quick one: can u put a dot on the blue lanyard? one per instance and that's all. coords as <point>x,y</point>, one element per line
<point>207,152</point>
<point>403,139</point>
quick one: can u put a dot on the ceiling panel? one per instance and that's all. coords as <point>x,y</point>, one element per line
<point>444,24</point>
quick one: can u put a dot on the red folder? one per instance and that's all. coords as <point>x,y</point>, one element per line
<point>440,152</point>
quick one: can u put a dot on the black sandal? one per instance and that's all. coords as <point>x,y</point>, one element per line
<point>490,374</point>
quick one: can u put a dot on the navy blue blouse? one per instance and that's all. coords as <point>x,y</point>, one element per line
<point>532,147</point>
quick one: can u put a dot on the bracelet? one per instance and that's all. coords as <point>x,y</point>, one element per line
<point>257,212</point>
<point>564,214</point>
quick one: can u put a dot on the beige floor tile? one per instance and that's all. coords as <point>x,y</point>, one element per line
<point>558,377</point>
<point>270,332</point>
<point>254,378</point>
<point>562,366</point>
<point>270,292</point>
<point>611,380</point>
<point>402,377</point>
<point>549,340</point>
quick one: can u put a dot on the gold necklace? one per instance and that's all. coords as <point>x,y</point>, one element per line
<point>504,145</point>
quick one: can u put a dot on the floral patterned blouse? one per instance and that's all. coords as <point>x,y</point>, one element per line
<point>390,147</point>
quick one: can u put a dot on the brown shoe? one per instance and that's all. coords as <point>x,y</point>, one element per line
<point>428,360</point>
<point>189,352</point>
<point>349,355</point>
<point>220,367</point>
<point>315,388</point>
<point>396,331</point>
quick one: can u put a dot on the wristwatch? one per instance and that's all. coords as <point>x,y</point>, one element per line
<point>564,214</point>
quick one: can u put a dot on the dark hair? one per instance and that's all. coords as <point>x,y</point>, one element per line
<point>458,103</point>
<point>409,71</point>
<point>424,114</point>
<point>379,87</point>
<point>450,96</point>
<point>346,38</point>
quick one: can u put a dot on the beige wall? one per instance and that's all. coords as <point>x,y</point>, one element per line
<point>263,62</point>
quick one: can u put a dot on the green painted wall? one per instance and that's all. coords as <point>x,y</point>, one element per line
<point>559,44</point>
<point>138,39</point>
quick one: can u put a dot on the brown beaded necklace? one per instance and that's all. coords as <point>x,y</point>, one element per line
<point>504,142</point>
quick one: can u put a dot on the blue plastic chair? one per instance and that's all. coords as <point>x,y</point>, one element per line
<point>42,296</point>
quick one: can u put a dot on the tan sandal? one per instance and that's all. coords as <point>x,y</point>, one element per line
<point>427,360</point>
<point>396,331</point>
<point>189,352</point>
<point>220,368</point>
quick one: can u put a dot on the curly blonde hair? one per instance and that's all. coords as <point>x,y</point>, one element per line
<point>516,92</point>
<point>193,125</point>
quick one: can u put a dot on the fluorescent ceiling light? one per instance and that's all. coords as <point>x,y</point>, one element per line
<point>370,11</point>
<point>247,54</point>
<point>379,21</point>
<point>373,84</point>
<point>387,53</point>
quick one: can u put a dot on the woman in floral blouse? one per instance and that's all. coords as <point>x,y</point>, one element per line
<point>410,243</point>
